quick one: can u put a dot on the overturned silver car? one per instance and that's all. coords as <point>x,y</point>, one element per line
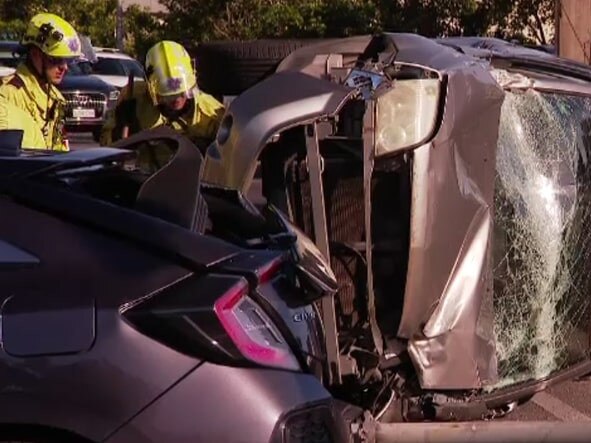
<point>448,184</point>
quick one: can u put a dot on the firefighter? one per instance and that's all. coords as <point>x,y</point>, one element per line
<point>169,96</point>
<point>49,44</point>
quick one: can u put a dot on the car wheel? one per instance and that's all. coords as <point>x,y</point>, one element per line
<point>229,68</point>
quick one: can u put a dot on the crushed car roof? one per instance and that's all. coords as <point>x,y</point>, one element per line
<point>517,56</point>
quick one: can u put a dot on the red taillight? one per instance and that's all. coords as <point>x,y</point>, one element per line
<point>251,329</point>
<point>266,272</point>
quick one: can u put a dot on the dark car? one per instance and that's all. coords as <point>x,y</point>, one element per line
<point>139,306</point>
<point>447,182</point>
<point>88,98</point>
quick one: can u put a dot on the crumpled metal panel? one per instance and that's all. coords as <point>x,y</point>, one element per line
<point>542,219</point>
<point>312,59</point>
<point>279,102</point>
<point>491,45</point>
<point>447,313</point>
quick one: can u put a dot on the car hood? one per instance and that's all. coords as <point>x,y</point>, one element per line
<point>84,82</point>
<point>119,81</point>
<point>5,71</point>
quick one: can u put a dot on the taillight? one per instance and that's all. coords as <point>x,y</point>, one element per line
<point>212,317</point>
<point>252,331</point>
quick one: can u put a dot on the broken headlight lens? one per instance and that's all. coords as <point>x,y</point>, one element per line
<point>407,115</point>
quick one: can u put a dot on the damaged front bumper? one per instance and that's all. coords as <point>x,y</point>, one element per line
<point>457,407</point>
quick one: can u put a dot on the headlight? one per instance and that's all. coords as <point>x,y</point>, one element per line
<point>407,115</point>
<point>114,95</point>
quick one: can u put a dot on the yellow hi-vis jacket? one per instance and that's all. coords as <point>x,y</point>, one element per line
<point>39,112</point>
<point>200,122</point>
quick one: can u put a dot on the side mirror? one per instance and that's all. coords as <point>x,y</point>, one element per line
<point>11,141</point>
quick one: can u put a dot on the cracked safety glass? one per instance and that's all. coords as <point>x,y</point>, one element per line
<point>542,249</point>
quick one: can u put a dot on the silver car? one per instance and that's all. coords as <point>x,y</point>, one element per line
<point>447,183</point>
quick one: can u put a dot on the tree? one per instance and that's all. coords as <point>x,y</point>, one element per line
<point>200,20</point>
<point>523,20</point>
<point>142,30</point>
<point>192,21</point>
<point>89,17</point>
<point>431,18</point>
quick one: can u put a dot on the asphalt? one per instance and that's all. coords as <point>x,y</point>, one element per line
<point>81,140</point>
<point>566,402</point>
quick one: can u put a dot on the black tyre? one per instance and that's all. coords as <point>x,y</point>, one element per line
<point>229,68</point>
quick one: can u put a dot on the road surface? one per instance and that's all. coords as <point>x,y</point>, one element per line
<point>570,401</point>
<point>81,140</point>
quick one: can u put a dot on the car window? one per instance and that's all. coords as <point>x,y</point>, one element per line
<point>10,47</point>
<point>79,68</point>
<point>542,218</point>
<point>109,66</point>
<point>133,66</point>
<point>7,59</point>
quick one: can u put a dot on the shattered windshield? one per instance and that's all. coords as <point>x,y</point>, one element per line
<point>542,289</point>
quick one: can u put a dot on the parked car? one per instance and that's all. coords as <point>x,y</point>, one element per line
<point>126,317</point>
<point>88,99</point>
<point>115,67</point>
<point>8,61</point>
<point>447,183</point>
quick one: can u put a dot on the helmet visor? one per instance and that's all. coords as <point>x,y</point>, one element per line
<point>59,61</point>
<point>171,98</point>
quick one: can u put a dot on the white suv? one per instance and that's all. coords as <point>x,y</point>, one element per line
<point>114,67</point>
<point>8,61</point>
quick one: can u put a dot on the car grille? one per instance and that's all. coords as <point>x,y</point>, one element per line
<point>85,101</point>
<point>344,193</point>
<point>390,223</point>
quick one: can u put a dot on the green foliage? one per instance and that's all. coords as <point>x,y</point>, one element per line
<point>11,29</point>
<point>142,30</point>
<point>201,20</point>
<point>204,20</point>
<point>523,20</point>
<point>190,21</point>
<point>95,18</point>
